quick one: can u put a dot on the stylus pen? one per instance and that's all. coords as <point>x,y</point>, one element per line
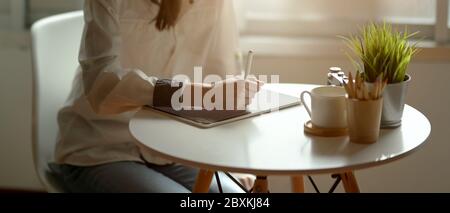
<point>249,64</point>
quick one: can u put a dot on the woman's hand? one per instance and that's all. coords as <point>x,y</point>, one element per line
<point>242,94</point>
<point>244,90</point>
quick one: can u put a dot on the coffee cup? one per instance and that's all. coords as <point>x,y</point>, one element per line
<point>328,107</point>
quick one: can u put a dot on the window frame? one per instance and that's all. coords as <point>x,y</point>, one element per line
<point>17,15</point>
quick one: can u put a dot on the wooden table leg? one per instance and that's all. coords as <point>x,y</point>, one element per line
<point>349,182</point>
<point>298,185</point>
<point>203,181</point>
<point>261,185</point>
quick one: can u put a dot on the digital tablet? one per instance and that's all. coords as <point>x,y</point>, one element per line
<point>264,102</point>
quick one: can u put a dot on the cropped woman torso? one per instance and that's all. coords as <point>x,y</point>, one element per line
<point>122,54</point>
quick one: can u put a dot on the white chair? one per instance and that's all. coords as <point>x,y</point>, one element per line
<point>55,45</point>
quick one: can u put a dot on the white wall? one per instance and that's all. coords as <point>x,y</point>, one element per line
<point>424,171</point>
<point>16,168</point>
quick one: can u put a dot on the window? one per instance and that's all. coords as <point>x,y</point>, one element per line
<point>4,6</point>
<point>4,13</point>
<point>18,14</point>
<point>328,18</point>
<point>41,8</point>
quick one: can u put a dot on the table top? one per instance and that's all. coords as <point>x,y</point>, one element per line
<point>274,143</point>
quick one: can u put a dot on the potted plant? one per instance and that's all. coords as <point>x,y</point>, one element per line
<point>380,51</point>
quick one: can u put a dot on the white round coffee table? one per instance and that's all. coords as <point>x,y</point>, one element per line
<point>274,144</point>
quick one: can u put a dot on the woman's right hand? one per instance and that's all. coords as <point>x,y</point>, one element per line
<point>244,91</point>
<point>242,95</point>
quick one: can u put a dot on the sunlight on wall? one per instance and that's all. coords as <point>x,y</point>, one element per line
<point>347,9</point>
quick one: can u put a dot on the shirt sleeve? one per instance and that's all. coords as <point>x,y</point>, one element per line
<point>109,88</point>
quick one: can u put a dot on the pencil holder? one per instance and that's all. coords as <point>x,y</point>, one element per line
<point>364,117</point>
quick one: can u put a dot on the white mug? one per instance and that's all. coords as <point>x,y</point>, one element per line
<point>328,108</point>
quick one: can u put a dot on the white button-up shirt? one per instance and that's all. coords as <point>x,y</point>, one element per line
<point>121,56</point>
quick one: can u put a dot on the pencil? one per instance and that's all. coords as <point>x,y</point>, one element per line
<point>352,92</point>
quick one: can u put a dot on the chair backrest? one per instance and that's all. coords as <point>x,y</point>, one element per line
<point>55,46</point>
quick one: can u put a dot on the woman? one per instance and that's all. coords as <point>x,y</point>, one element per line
<point>128,48</point>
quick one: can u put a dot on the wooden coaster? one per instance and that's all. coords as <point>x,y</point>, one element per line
<point>309,128</point>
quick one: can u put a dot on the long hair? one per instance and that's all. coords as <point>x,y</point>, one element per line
<point>169,10</point>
